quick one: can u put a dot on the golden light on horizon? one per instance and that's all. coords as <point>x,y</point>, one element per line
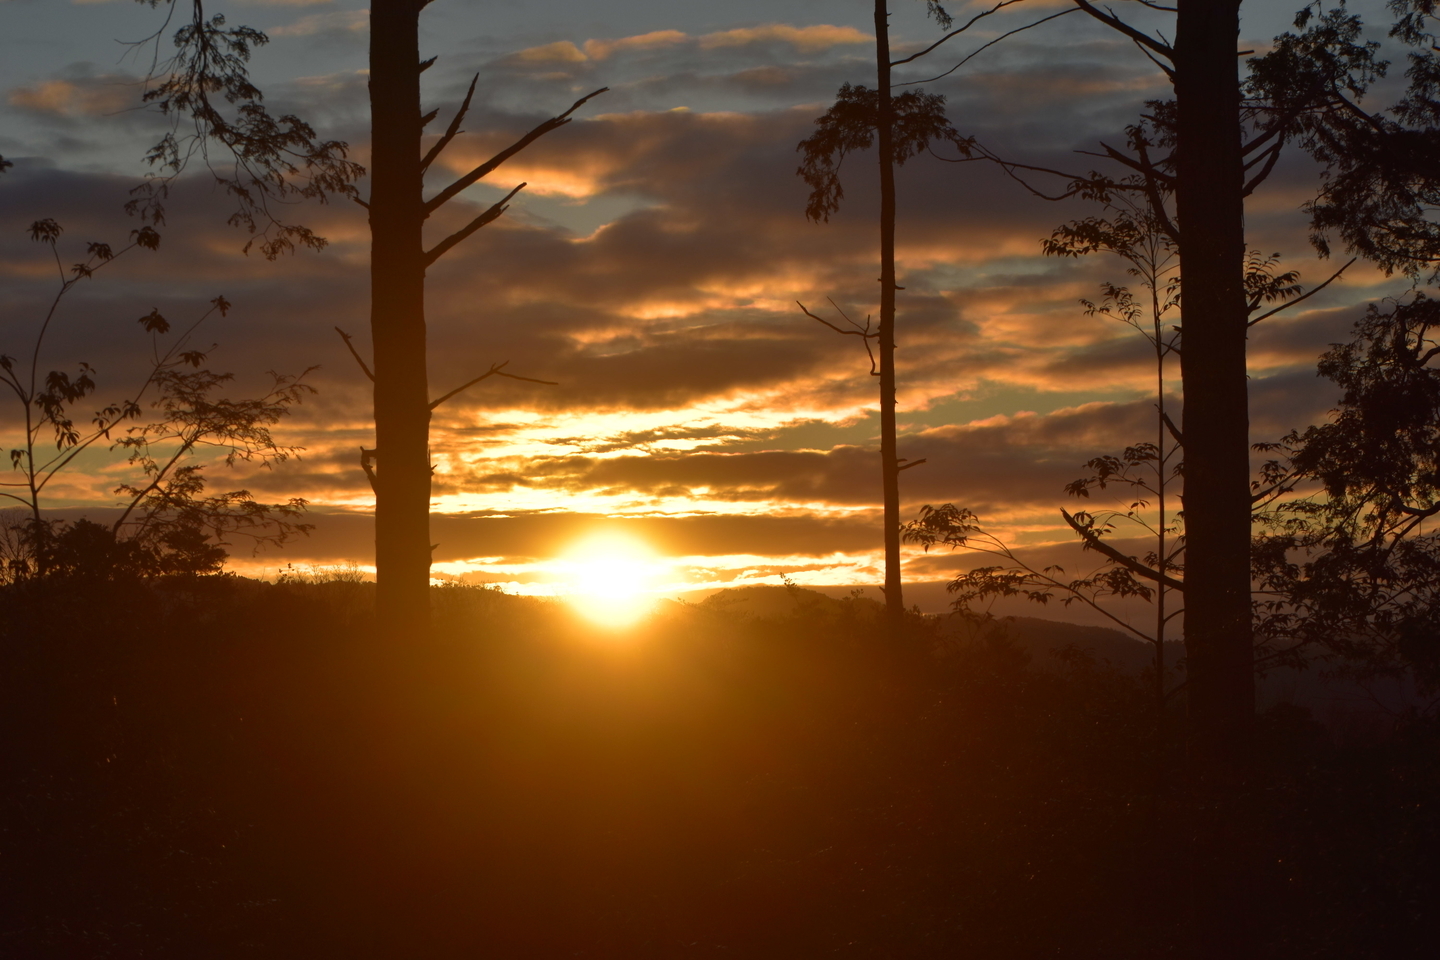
<point>608,579</point>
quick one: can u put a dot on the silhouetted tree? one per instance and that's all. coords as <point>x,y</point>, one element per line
<point>267,161</point>
<point>1209,149</point>
<point>1381,185</point>
<point>168,523</point>
<point>1354,570</point>
<point>399,259</point>
<point>279,158</point>
<point>899,127</point>
<point>1144,471</point>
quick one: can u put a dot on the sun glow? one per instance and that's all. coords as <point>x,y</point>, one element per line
<point>609,580</point>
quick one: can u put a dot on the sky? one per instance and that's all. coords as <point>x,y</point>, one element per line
<point>652,268</point>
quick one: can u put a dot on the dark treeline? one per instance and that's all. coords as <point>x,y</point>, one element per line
<point>223,768</point>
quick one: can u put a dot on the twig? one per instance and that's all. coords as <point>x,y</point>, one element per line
<point>1304,296</point>
<point>974,53</point>
<point>863,333</point>
<point>355,353</point>
<point>496,370</point>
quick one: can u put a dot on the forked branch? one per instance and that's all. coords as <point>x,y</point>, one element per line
<point>496,370</point>
<point>451,131</point>
<point>489,166</point>
<point>499,207</point>
<point>864,333</point>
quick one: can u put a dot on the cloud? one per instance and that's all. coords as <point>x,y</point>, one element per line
<point>78,97</point>
<point>338,21</point>
<point>655,40</point>
<point>562,51</point>
<point>810,39</point>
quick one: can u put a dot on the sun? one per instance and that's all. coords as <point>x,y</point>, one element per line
<point>608,579</point>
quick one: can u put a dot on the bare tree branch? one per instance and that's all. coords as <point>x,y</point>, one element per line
<point>451,131</point>
<point>864,333</point>
<point>1139,36</point>
<point>1174,430</point>
<point>1304,296</point>
<point>496,370</point>
<point>957,31</point>
<point>499,207</point>
<point>354,353</point>
<point>1272,156</point>
<point>978,50</point>
<point>489,166</point>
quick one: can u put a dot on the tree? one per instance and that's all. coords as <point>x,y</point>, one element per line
<point>1353,570</point>
<point>1381,185</point>
<point>899,127</point>
<point>398,210</point>
<point>167,521</point>
<point>1210,148</point>
<point>1145,472</point>
<point>279,158</point>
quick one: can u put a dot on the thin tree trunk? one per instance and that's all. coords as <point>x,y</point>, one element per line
<point>889,459</point>
<point>397,318</point>
<point>1219,656</point>
<point>1162,545</point>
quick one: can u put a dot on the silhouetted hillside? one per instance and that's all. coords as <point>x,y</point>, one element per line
<point>228,769</point>
<point>1040,638</point>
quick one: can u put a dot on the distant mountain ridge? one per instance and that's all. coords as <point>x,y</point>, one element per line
<point>1041,638</point>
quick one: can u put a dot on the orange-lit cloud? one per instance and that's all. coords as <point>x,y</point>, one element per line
<point>806,39</point>
<point>337,21</point>
<point>86,97</point>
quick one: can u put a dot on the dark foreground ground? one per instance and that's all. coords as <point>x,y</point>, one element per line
<point>241,770</point>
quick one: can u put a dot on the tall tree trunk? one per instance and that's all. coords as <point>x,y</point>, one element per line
<point>1210,205</point>
<point>397,318</point>
<point>1219,655</point>
<point>889,459</point>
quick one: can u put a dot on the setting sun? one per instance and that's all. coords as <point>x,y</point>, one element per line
<point>608,579</point>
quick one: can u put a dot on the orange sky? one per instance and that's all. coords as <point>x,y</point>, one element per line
<point>651,268</point>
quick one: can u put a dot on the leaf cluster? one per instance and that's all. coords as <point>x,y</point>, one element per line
<point>1382,181</point>
<point>273,160</point>
<point>1355,568</point>
<point>917,121</point>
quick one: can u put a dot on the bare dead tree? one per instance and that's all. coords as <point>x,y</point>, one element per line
<point>280,159</point>
<point>399,465</point>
